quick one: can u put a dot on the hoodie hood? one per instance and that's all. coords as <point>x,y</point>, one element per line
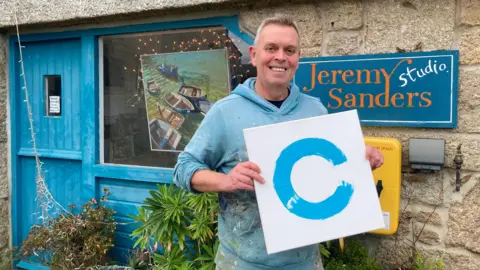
<point>247,90</point>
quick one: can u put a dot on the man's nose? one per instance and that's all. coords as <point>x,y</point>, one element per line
<point>280,55</point>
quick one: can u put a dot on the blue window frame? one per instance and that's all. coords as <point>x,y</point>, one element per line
<point>92,167</point>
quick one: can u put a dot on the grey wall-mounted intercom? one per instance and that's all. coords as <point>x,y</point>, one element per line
<point>426,154</point>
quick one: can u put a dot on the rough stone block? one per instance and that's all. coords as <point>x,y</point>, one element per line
<point>427,235</point>
<point>468,120</point>
<point>455,261</point>
<point>404,24</point>
<point>4,239</point>
<point>343,44</point>
<point>426,188</point>
<point>469,12</point>
<point>423,216</point>
<point>465,177</point>
<point>3,110</point>
<point>4,189</point>
<point>345,14</point>
<point>469,49</point>
<point>469,100</point>
<point>3,77</point>
<point>4,210</point>
<point>4,224</point>
<point>469,89</point>
<point>470,149</point>
<point>311,52</point>
<point>308,20</point>
<point>393,254</point>
<point>3,51</point>
<point>4,181</point>
<point>3,132</point>
<point>432,218</point>
<point>464,221</point>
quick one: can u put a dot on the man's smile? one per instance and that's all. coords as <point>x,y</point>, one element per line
<point>278,69</point>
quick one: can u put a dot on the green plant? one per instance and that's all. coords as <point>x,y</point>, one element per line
<point>423,262</point>
<point>183,224</point>
<point>353,257</point>
<point>139,260</point>
<point>71,241</point>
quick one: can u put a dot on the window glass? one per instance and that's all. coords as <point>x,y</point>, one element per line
<point>157,87</point>
<point>53,94</point>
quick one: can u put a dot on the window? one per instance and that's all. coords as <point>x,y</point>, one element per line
<point>53,94</point>
<point>158,86</point>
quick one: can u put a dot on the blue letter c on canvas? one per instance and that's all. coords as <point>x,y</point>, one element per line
<point>283,184</point>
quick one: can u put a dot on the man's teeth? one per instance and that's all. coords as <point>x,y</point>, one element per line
<point>278,69</point>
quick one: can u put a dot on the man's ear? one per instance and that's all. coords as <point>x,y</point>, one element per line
<point>253,53</point>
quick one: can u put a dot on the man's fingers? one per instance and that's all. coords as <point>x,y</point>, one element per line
<point>252,166</point>
<point>243,179</point>
<point>252,175</point>
<point>246,187</point>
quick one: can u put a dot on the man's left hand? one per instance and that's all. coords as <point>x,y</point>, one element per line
<point>374,156</point>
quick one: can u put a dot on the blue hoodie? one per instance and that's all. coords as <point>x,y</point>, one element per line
<point>218,145</point>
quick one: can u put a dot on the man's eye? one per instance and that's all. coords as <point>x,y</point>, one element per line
<point>270,49</point>
<point>291,51</point>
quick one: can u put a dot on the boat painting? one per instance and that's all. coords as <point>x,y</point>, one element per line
<point>179,103</point>
<point>163,136</point>
<point>169,70</point>
<point>171,117</point>
<point>153,88</point>
<point>190,83</point>
<point>192,92</point>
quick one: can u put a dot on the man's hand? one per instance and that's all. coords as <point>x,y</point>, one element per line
<point>242,177</point>
<point>374,156</point>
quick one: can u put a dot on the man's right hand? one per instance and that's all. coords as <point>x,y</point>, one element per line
<point>242,177</point>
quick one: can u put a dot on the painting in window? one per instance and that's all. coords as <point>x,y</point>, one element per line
<point>158,86</point>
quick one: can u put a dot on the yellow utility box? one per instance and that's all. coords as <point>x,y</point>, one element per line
<point>388,181</point>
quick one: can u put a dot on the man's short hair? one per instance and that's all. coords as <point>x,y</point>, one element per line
<point>282,20</point>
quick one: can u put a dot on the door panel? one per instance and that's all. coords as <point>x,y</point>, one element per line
<point>63,178</point>
<point>52,58</point>
<point>58,139</point>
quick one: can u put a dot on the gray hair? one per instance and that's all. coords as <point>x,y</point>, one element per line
<point>281,20</point>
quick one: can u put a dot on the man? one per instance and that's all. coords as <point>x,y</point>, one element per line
<point>215,160</point>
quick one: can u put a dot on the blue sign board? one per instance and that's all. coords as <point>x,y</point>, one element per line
<point>416,89</point>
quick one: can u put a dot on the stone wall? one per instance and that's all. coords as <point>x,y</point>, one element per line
<point>4,182</point>
<point>439,220</point>
<point>448,220</point>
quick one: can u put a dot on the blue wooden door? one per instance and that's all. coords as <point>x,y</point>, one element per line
<point>65,141</point>
<point>51,70</point>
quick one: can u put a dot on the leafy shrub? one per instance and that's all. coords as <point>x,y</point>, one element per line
<point>183,224</point>
<point>73,241</point>
<point>354,257</point>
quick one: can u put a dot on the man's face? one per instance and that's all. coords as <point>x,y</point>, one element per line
<point>276,55</point>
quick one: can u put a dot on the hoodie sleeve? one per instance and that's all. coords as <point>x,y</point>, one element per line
<point>204,151</point>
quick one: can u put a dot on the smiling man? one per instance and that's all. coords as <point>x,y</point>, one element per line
<point>215,160</point>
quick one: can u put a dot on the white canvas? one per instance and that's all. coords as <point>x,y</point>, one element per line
<point>320,213</point>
